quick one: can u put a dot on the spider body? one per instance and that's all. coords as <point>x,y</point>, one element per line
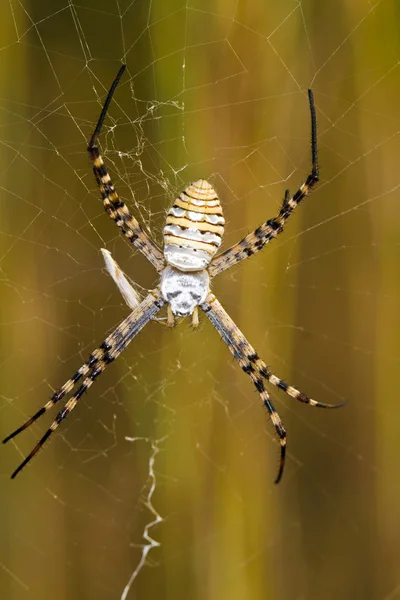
<point>192,236</point>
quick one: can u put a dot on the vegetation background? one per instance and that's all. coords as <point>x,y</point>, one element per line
<point>174,428</point>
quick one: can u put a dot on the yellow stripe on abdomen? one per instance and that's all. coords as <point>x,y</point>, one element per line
<point>194,228</point>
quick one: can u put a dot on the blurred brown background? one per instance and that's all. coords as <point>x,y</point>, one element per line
<point>214,90</point>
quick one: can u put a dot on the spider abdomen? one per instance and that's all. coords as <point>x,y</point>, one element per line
<point>194,228</point>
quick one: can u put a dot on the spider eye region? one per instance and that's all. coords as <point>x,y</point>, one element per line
<point>184,290</point>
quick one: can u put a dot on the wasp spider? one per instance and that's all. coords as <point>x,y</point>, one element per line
<point>192,236</point>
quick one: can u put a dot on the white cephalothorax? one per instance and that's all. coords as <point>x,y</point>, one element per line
<point>192,236</point>
<point>184,291</point>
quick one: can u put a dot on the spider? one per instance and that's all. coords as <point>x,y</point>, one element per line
<point>192,236</point>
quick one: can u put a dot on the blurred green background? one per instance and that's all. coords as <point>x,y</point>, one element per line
<point>174,428</point>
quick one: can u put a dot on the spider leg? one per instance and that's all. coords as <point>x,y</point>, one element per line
<point>239,343</point>
<point>109,350</point>
<point>170,317</point>
<point>115,208</point>
<point>61,415</point>
<point>229,333</point>
<point>59,394</point>
<point>256,240</point>
<point>255,367</point>
<point>289,389</point>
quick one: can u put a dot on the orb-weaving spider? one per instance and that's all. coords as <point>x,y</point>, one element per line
<point>192,235</point>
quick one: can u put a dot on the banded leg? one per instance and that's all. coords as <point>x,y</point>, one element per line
<point>287,388</point>
<point>255,367</point>
<point>115,208</point>
<point>109,350</point>
<point>256,240</point>
<point>239,343</point>
<point>227,329</point>
<point>68,386</point>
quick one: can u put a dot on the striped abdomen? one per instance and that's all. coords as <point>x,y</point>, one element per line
<point>194,228</point>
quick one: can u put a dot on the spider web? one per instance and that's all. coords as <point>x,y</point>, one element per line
<point>160,483</point>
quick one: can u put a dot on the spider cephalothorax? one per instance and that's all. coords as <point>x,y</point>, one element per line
<point>192,236</point>
<point>184,291</point>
